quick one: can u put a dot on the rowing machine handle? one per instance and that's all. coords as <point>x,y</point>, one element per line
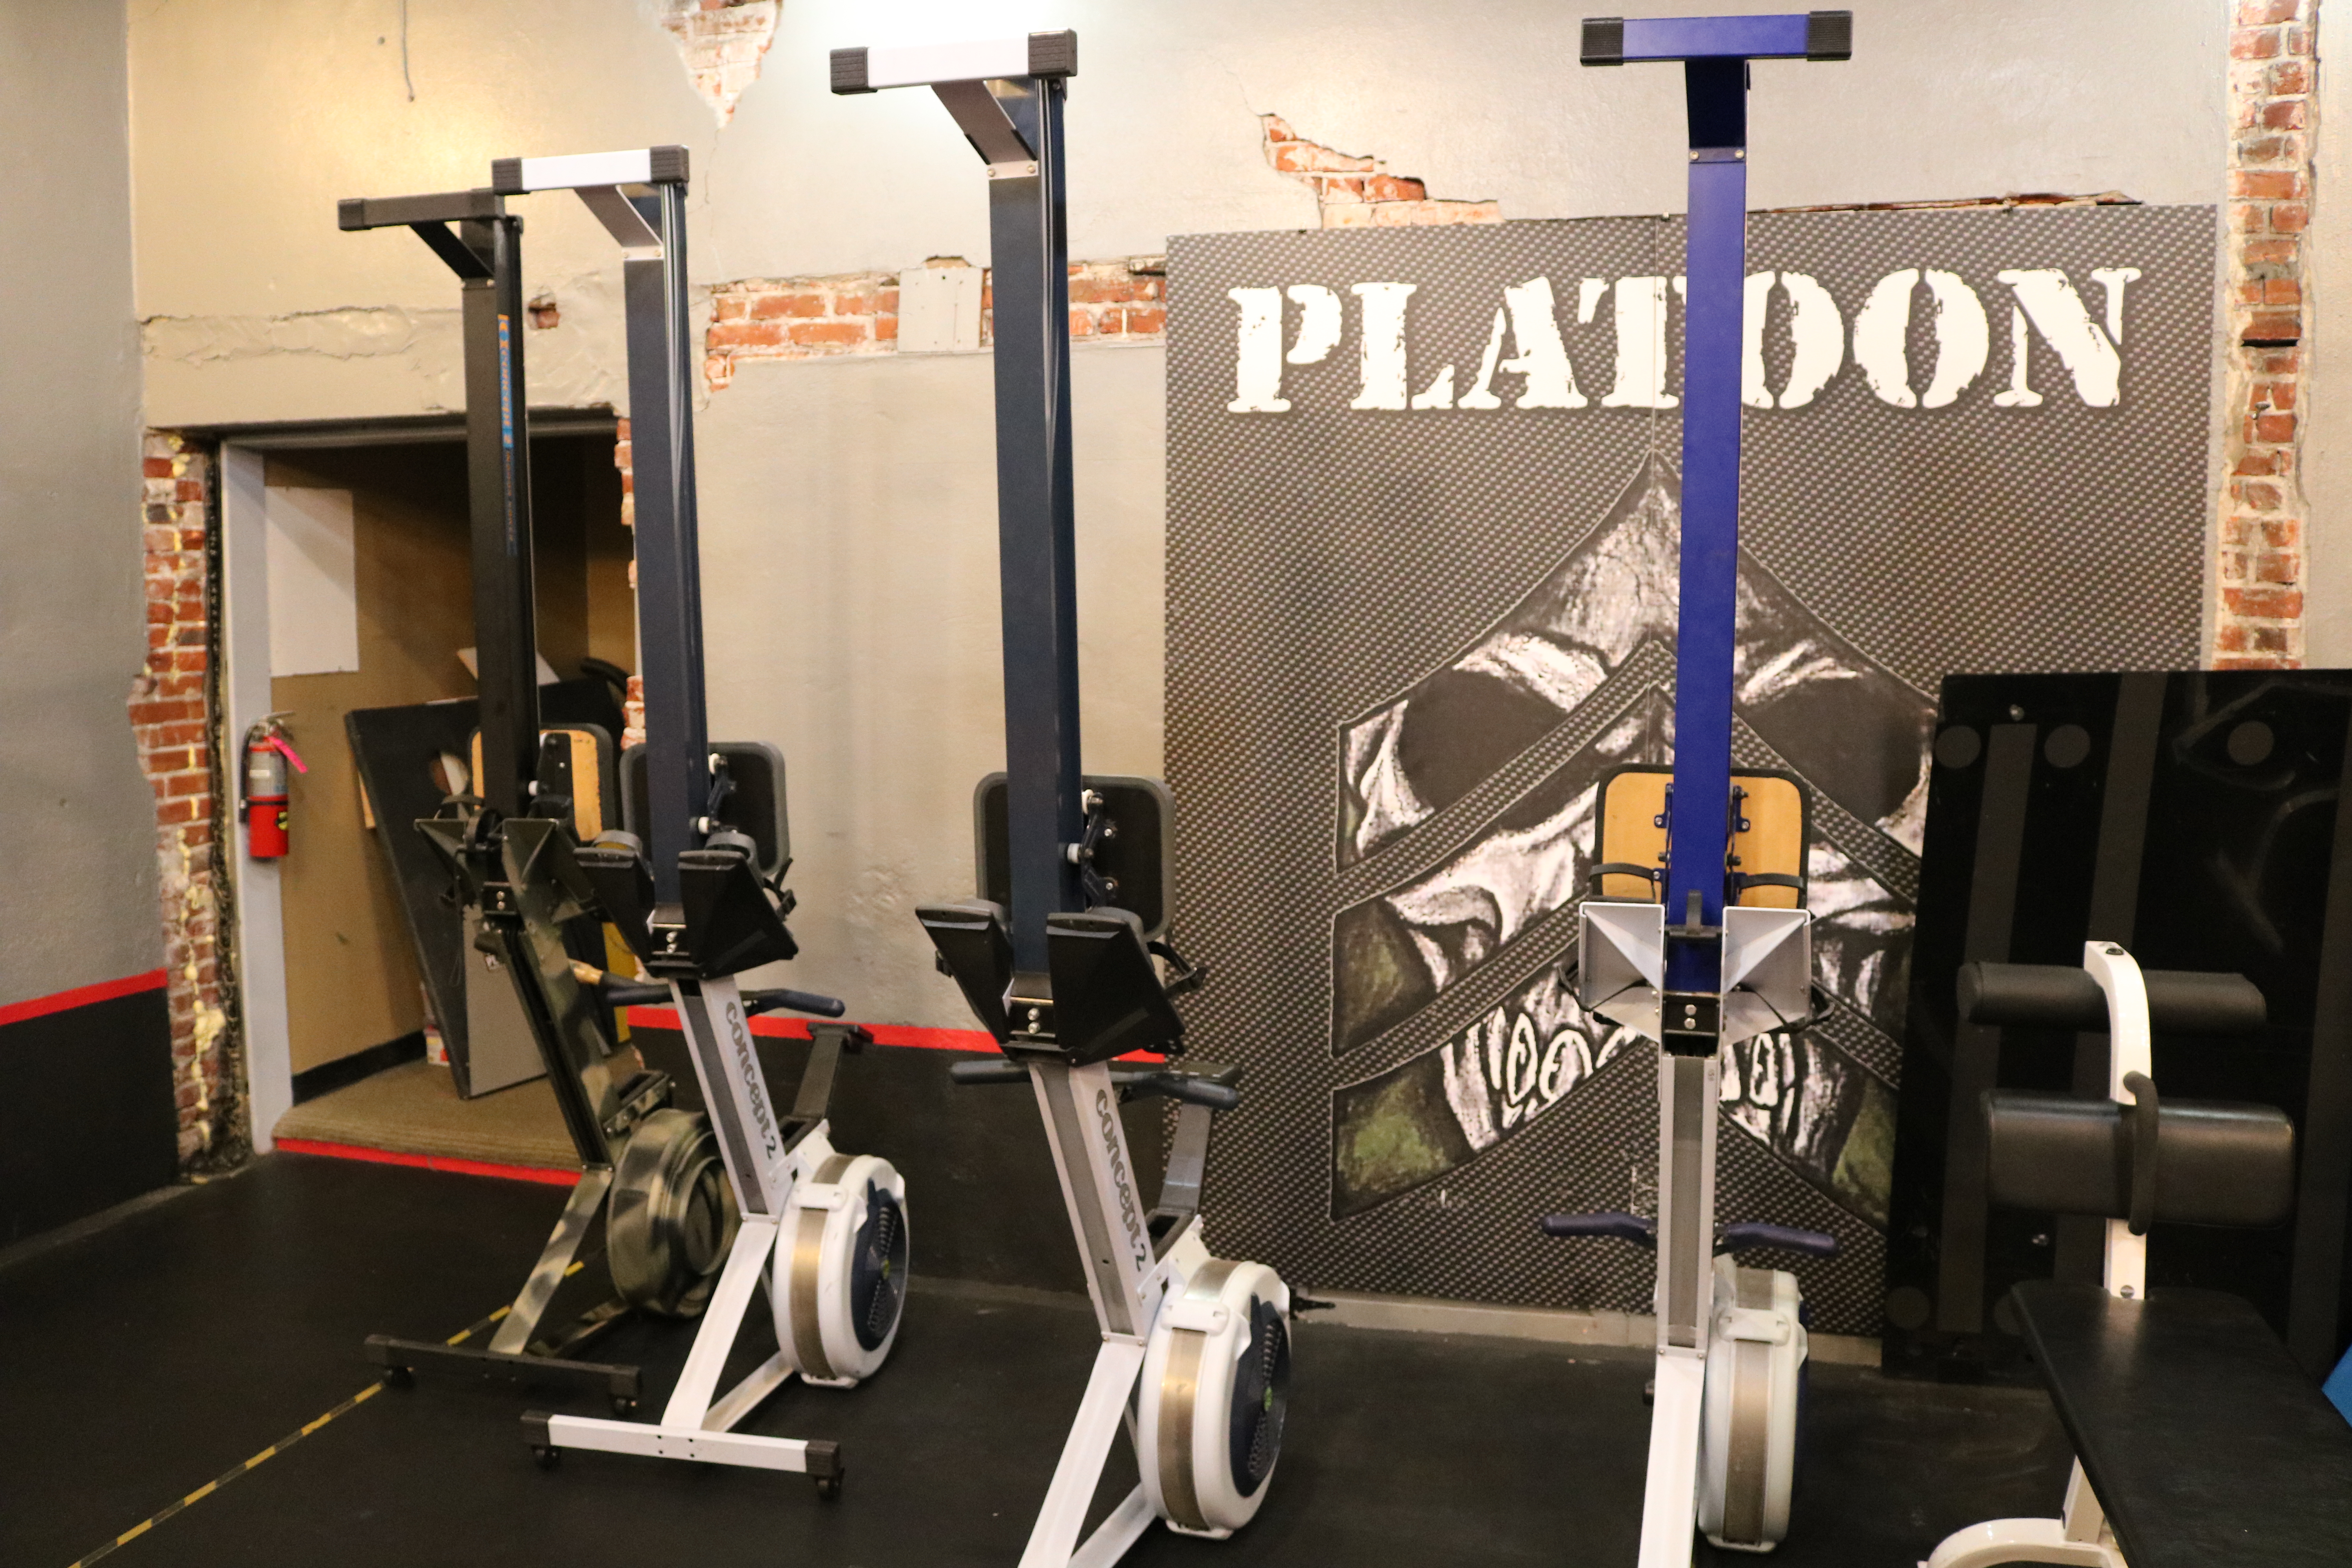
<point>1738,1238</point>
<point>640,994</point>
<point>762,1000</point>
<point>1624,1226</point>
<point>1189,1087</point>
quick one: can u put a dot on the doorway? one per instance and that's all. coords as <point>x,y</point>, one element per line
<point>350,584</point>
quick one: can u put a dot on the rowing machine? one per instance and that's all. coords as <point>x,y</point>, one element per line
<point>653,1171</point>
<point>1737,960</point>
<point>701,898</point>
<point>1061,966</point>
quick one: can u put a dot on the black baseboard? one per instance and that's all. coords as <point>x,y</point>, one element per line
<point>88,1121</point>
<point>329,1077</point>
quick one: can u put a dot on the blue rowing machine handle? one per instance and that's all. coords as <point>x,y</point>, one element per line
<point>1624,1226</point>
<point>1738,1238</point>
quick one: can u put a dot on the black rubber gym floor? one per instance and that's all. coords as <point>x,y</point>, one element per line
<point>141,1361</point>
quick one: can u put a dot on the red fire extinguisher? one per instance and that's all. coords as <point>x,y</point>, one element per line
<point>266,753</point>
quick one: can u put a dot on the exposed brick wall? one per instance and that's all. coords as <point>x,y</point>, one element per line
<point>1360,192</point>
<point>2261,562</point>
<point>1112,300</point>
<point>799,318</point>
<point>722,43</point>
<point>170,717</point>
<point>857,312</point>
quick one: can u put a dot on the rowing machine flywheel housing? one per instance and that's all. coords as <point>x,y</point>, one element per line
<point>1747,1443</point>
<point>1216,1386</point>
<point>673,1214</point>
<point>841,1268</point>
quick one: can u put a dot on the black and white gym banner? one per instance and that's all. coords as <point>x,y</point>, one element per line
<point>1422,515</point>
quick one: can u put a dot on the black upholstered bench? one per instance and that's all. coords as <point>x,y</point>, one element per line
<point>2206,1445</point>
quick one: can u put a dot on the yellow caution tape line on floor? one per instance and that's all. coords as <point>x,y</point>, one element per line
<point>279,1447</point>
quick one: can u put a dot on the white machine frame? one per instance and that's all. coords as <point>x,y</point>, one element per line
<point>2080,1536</point>
<point>775,1185</point>
<point>1136,1297</point>
<point>1766,984</point>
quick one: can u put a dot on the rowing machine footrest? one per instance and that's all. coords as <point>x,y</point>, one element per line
<point>616,869</point>
<point>1622,1226</point>
<point>732,921</point>
<point>1107,997</point>
<point>975,947</point>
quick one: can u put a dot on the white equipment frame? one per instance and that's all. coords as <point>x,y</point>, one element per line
<point>1131,1290</point>
<point>1766,984</point>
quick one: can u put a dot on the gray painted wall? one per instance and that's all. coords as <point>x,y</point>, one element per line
<point>851,618</point>
<point>80,869</point>
<point>847,505</point>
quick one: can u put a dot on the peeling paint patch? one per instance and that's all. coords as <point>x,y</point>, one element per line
<point>1123,300</point>
<point>348,332</point>
<point>1352,192</point>
<point>722,43</point>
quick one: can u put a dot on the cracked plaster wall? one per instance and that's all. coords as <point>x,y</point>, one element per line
<point>249,122</point>
<point>235,187</point>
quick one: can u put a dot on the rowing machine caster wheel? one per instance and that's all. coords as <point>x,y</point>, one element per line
<point>623,1406</point>
<point>548,1455</point>
<point>829,1486</point>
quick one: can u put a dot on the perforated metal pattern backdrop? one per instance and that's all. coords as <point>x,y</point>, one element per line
<point>1404,644</point>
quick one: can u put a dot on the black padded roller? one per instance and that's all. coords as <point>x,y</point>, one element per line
<point>2180,1001</point>
<point>2217,1162</point>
